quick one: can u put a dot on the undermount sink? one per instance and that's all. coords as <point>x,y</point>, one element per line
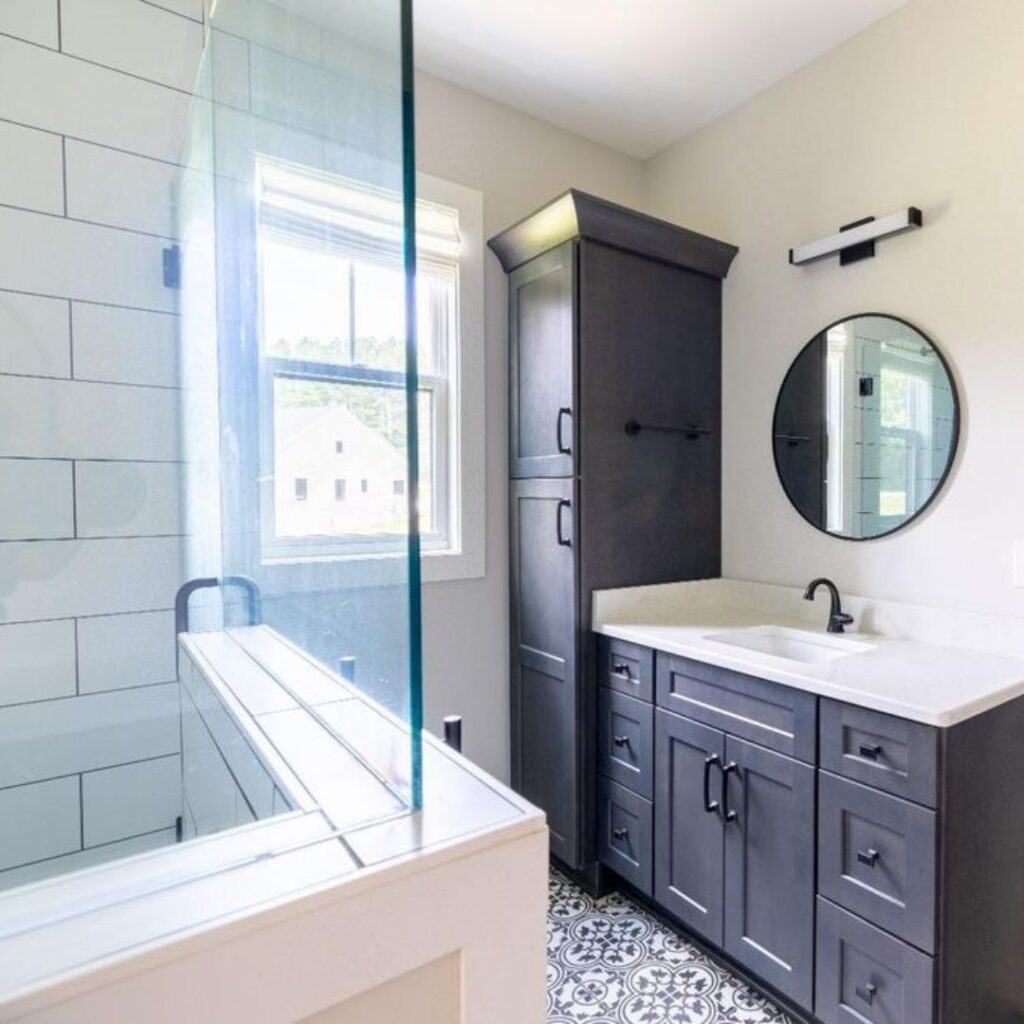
<point>792,644</point>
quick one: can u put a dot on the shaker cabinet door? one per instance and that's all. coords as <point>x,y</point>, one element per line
<point>687,824</point>
<point>542,333</point>
<point>769,867</point>
<point>544,627</point>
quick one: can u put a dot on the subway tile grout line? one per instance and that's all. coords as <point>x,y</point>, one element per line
<point>74,497</point>
<point>81,811</point>
<point>173,14</point>
<point>78,666</point>
<point>60,26</point>
<point>64,170</point>
<point>94,380</point>
<point>103,537</point>
<point>94,693</point>
<point>71,340</point>
<point>93,771</point>
<point>93,458</point>
<point>100,615</point>
<point>89,223</point>
<point>91,302</point>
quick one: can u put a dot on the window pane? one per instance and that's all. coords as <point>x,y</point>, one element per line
<point>380,317</point>
<point>305,302</point>
<point>311,494</point>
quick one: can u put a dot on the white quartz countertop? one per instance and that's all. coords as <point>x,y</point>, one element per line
<point>926,682</point>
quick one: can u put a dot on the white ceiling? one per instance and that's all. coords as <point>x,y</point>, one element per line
<point>634,74</point>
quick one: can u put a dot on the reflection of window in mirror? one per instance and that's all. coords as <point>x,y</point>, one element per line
<point>836,473</point>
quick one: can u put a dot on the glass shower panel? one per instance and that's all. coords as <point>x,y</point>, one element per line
<point>303,443</point>
<point>213,617</point>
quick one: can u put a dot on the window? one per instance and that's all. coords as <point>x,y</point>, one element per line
<point>333,358</point>
<point>301,488</point>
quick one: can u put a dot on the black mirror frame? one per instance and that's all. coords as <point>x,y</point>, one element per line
<point>954,450</point>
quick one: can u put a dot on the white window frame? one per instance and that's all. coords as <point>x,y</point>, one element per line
<point>458,402</point>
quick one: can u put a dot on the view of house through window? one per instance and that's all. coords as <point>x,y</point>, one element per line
<point>333,362</point>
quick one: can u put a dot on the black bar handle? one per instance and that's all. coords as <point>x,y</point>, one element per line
<point>618,834</point>
<point>563,448</point>
<point>872,751</point>
<point>186,590</point>
<point>792,439</point>
<point>727,813</point>
<point>867,992</point>
<point>621,668</point>
<point>620,741</point>
<point>692,433</point>
<point>563,504</point>
<point>453,732</point>
<point>869,857</point>
<point>710,806</point>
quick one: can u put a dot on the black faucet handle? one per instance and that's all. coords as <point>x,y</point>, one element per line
<point>838,622</point>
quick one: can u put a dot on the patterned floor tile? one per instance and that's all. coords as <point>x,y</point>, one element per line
<point>610,962</point>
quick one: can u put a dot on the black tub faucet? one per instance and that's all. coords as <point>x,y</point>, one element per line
<point>838,620</point>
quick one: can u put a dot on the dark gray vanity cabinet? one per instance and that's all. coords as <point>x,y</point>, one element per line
<point>866,868</point>
<point>614,455</point>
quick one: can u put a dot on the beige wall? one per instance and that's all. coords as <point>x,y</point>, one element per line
<point>924,108</point>
<point>518,163</point>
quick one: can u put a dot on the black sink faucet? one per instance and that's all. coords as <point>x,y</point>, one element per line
<point>838,620</point>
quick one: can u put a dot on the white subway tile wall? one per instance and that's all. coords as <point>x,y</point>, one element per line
<point>94,101</point>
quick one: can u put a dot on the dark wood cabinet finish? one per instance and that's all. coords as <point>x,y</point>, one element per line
<point>689,862</point>
<point>625,741</point>
<point>879,750</point>
<point>541,337</point>
<point>613,316</point>
<point>777,717</point>
<point>625,667</point>
<point>625,828</point>
<point>865,975</point>
<point>876,857</point>
<point>769,868</point>
<point>544,650</point>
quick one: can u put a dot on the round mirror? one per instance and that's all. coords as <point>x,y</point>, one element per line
<point>866,427</point>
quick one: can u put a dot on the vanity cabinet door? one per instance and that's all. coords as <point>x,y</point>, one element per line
<point>542,344</point>
<point>688,854</point>
<point>544,644</point>
<point>769,867</point>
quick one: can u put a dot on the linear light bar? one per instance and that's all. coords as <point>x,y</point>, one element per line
<point>869,232</point>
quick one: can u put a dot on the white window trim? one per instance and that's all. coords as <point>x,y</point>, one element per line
<point>465,558</point>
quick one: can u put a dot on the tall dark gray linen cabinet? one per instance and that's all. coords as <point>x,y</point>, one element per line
<point>614,454</point>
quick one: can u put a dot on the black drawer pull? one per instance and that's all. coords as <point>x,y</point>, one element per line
<point>710,806</point>
<point>869,857</point>
<point>618,834</point>
<point>729,769</point>
<point>563,540</point>
<point>620,741</point>
<point>563,448</point>
<point>867,992</point>
<point>622,669</point>
<point>872,751</point>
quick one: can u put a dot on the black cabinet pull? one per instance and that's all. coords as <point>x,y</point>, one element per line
<point>792,439</point>
<point>710,806</point>
<point>692,432</point>
<point>620,741</point>
<point>869,857</point>
<point>563,448</point>
<point>872,751</point>
<point>731,768</point>
<point>564,541</point>
<point>867,992</point>
<point>618,834</point>
<point>622,669</point>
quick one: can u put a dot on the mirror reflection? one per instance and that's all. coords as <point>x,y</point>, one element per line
<point>866,427</point>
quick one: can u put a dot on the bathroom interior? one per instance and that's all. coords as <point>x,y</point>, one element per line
<point>507,512</point>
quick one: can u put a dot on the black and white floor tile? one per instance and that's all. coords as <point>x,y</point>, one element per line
<point>609,962</point>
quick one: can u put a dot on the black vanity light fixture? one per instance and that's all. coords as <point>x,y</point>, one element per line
<point>856,241</point>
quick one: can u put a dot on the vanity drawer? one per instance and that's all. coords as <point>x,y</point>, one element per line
<point>625,667</point>
<point>625,743</point>
<point>889,753</point>
<point>865,975</point>
<point>625,833</point>
<point>876,857</point>
<point>778,717</point>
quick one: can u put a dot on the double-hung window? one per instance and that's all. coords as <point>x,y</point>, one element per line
<point>333,367</point>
